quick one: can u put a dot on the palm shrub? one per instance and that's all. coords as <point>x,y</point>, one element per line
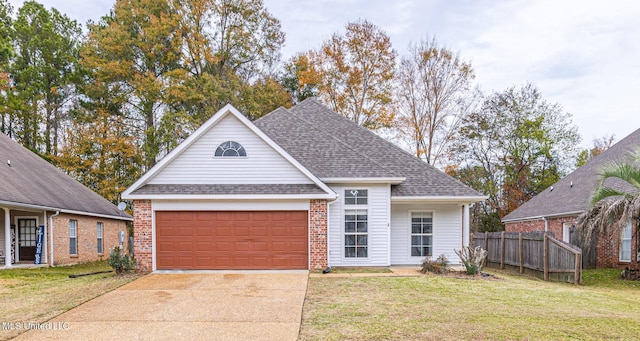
<point>614,202</point>
<point>472,258</point>
<point>439,265</point>
<point>121,262</point>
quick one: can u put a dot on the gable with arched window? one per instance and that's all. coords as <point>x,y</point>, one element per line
<point>230,149</point>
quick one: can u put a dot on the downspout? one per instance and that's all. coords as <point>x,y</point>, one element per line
<point>51,237</point>
<point>546,224</point>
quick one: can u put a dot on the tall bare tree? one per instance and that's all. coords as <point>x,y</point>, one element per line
<point>434,90</point>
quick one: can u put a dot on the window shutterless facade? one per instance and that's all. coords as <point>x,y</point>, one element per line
<point>73,237</point>
<point>230,148</point>
<point>421,234</point>
<point>356,223</point>
<point>99,231</point>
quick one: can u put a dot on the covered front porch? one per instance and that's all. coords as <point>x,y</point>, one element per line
<point>20,240</point>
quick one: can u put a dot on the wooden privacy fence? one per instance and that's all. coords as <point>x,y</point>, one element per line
<point>536,253</point>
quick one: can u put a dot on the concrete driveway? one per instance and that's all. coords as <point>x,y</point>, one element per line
<point>188,306</point>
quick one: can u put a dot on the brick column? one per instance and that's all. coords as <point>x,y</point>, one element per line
<point>142,236</point>
<point>318,234</point>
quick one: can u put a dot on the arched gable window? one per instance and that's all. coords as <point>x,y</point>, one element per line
<point>230,148</point>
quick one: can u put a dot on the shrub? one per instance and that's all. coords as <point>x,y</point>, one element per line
<point>472,258</point>
<point>121,262</point>
<point>438,266</point>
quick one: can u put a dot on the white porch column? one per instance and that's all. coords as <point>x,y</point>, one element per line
<point>7,236</point>
<point>465,225</point>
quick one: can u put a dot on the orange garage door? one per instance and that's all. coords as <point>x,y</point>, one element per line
<point>231,240</point>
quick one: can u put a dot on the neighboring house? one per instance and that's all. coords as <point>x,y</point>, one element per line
<point>79,225</point>
<point>302,188</point>
<point>557,207</point>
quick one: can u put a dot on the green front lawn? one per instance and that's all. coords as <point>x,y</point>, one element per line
<point>39,294</point>
<point>443,308</point>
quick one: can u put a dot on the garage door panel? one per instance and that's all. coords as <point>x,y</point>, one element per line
<point>232,240</point>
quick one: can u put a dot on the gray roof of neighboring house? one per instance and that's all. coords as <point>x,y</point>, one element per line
<point>229,189</point>
<point>573,192</point>
<point>30,180</point>
<point>331,146</point>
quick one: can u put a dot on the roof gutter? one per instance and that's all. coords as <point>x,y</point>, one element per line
<point>60,210</point>
<point>440,199</point>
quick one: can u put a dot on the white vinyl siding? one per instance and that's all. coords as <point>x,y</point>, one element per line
<point>378,196</point>
<point>625,243</point>
<point>262,165</point>
<point>447,231</point>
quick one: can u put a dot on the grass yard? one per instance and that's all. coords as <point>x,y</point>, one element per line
<point>506,307</point>
<point>39,294</point>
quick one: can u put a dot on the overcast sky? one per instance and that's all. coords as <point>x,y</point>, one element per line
<point>584,55</point>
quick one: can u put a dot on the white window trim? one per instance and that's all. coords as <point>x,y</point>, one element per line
<point>230,157</point>
<point>346,207</point>
<point>99,237</point>
<point>433,230</point>
<point>75,237</point>
<point>629,226</point>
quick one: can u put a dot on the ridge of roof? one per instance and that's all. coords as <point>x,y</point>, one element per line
<point>573,192</point>
<point>27,180</point>
<point>422,179</point>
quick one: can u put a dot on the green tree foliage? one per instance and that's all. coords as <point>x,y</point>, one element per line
<point>615,201</point>
<point>356,71</point>
<point>434,93</point>
<point>300,78</point>
<point>44,74</point>
<point>514,147</point>
<point>599,145</point>
<point>136,51</point>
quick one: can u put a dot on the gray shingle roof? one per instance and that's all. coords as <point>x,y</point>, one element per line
<point>331,146</point>
<point>573,192</point>
<point>229,189</point>
<point>30,180</point>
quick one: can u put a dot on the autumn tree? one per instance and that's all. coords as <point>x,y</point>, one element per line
<point>434,93</point>
<point>300,78</point>
<point>229,49</point>
<point>599,145</point>
<point>356,69</point>
<point>516,145</point>
<point>136,52</point>
<point>44,74</point>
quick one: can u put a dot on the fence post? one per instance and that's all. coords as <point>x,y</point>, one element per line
<point>546,257</point>
<point>486,241</point>
<point>578,273</point>
<point>502,250</point>
<point>521,252</point>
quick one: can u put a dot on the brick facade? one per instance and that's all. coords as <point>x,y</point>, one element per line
<point>554,225</point>
<point>318,235</point>
<point>87,240</point>
<point>607,246</point>
<point>142,235</point>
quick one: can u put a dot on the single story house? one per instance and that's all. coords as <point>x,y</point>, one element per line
<point>557,207</point>
<point>302,188</point>
<point>47,217</point>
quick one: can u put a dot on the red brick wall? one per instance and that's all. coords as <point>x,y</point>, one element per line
<point>554,225</point>
<point>142,235</point>
<point>608,250</point>
<point>318,234</point>
<point>87,241</point>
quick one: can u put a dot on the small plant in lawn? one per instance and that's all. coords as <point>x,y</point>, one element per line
<point>472,258</point>
<point>438,266</point>
<point>120,261</point>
